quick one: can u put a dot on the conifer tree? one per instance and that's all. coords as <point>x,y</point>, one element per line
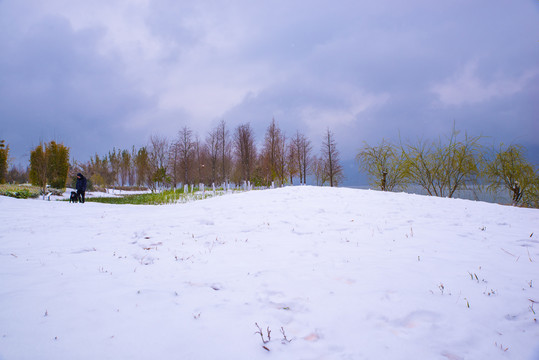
<point>57,164</point>
<point>4,155</point>
<point>38,167</point>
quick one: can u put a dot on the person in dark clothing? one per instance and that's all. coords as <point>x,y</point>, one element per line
<point>81,187</point>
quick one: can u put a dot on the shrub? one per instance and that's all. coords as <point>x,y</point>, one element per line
<point>20,191</point>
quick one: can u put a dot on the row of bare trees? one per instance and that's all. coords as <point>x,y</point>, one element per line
<point>223,156</point>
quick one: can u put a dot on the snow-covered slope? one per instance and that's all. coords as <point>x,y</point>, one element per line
<point>345,274</point>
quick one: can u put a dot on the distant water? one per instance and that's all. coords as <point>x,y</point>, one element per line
<point>500,197</point>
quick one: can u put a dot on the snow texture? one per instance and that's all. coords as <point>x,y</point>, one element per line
<point>343,273</point>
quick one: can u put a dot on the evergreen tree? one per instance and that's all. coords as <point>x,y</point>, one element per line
<point>38,167</point>
<point>4,155</point>
<point>57,165</point>
<point>49,163</point>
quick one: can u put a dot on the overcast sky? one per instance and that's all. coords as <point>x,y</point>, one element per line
<point>109,73</point>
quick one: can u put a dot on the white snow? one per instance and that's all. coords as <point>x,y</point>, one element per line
<point>347,274</point>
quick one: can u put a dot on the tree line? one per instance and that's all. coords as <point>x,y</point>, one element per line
<point>224,155</point>
<point>443,167</point>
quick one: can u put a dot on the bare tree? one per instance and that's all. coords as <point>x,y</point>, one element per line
<point>302,152</point>
<point>186,148</point>
<point>281,159</point>
<point>200,158</point>
<point>331,157</point>
<point>158,156</point>
<point>224,150</point>
<point>291,163</point>
<point>245,151</point>
<point>212,145</point>
<point>318,170</point>
<point>133,167</point>
<point>114,158</point>
<point>270,151</point>
<point>174,163</point>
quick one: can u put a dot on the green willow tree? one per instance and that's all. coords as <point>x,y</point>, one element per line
<point>508,169</point>
<point>442,169</point>
<point>385,165</point>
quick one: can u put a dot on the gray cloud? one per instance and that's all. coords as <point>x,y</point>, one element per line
<point>55,84</point>
<point>112,73</point>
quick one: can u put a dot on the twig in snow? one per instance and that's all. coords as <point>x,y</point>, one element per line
<point>284,336</point>
<point>260,331</point>
<point>529,256</point>
<point>507,252</point>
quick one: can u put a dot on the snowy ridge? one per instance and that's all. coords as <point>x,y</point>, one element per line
<point>342,273</point>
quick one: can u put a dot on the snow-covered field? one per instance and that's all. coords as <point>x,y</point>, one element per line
<point>345,274</point>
